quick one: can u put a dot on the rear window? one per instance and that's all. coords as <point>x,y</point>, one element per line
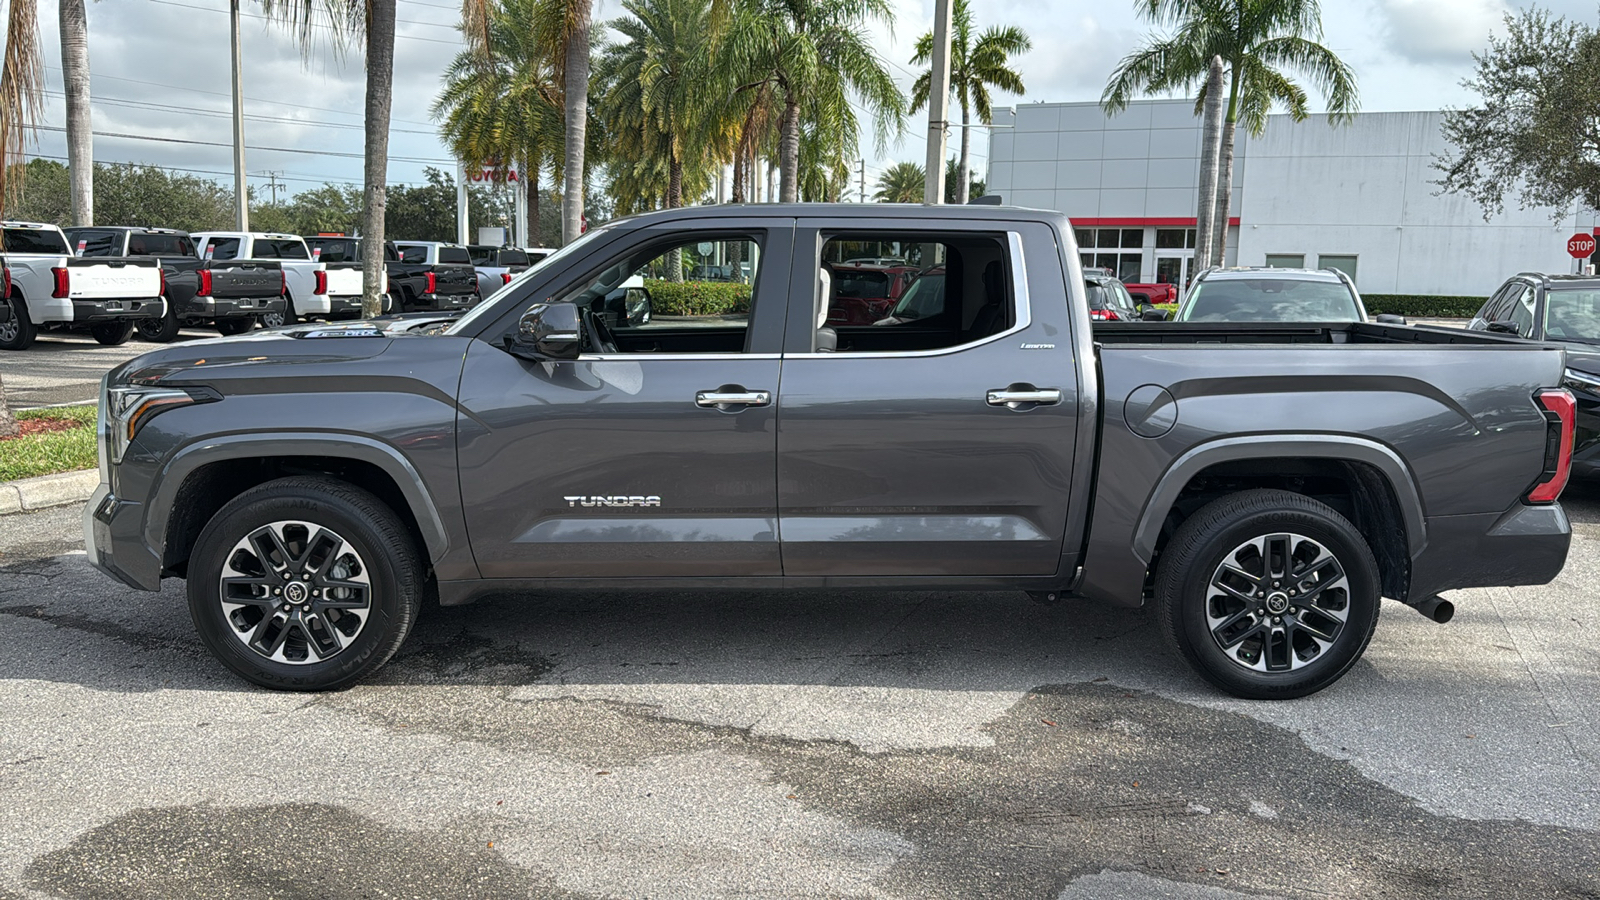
<point>860,284</point>
<point>90,243</point>
<point>482,256</point>
<point>159,245</point>
<point>332,250</point>
<point>223,248</point>
<point>267,249</point>
<point>412,253</point>
<point>1269,300</point>
<point>513,258</point>
<point>35,240</point>
<point>454,255</point>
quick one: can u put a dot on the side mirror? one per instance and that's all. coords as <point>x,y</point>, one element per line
<point>1154,314</point>
<point>547,331</point>
<point>1390,319</point>
<point>1502,328</point>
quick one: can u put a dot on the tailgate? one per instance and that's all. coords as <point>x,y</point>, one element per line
<point>456,278</point>
<point>112,279</point>
<point>344,279</point>
<point>246,279</point>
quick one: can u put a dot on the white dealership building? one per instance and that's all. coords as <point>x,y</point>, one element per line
<point>1360,196</point>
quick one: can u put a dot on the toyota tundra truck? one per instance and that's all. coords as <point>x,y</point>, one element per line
<point>313,289</point>
<point>230,296</point>
<point>1263,486</point>
<point>52,290</point>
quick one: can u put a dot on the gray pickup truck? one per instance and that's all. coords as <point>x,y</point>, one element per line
<point>1263,485</point>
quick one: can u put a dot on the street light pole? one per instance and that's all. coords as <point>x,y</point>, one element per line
<point>938,103</point>
<point>241,201</point>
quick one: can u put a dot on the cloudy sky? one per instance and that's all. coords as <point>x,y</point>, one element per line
<point>161,71</point>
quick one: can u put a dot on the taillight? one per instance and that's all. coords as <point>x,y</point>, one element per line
<point>283,282</point>
<point>1561,417</point>
<point>205,283</point>
<point>8,282</point>
<point>63,287</point>
<point>505,277</point>
<point>433,283</point>
<point>322,283</point>
<point>163,273</point>
<point>1104,315</point>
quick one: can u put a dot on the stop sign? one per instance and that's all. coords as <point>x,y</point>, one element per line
<point>1581,246</point>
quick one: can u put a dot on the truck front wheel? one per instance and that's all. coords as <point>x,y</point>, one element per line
<point>17,332</point>
<point>113,333</point>
<point>304,584</point>
<point>1268,594</point>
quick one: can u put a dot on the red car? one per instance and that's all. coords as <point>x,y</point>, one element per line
<point>863,293</point>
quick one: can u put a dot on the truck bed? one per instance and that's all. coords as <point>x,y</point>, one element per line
<point>1293,333</point>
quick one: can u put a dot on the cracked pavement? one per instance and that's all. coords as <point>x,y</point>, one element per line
<point>784,745</point>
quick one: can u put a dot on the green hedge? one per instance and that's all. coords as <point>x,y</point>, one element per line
<point>697,298</point>
<point>1426,306</point>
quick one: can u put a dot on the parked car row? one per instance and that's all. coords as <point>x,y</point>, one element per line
<point>115,281</point>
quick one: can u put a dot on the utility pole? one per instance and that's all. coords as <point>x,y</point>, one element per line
<point>241,196</point>
<point>863,181</point>
<point>272,183</point>
<point>938,102</point>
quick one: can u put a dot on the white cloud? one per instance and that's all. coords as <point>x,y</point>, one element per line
<point>1429,31</point>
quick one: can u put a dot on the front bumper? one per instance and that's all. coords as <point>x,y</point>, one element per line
<point>109,310</point>
<point>114,540</point>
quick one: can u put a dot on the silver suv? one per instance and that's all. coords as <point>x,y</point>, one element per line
<point>1259,294</point>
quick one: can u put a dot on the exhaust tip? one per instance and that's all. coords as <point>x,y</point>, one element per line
<point>1438,609</point>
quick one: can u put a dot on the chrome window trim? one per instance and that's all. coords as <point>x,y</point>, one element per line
<point>1019,299</point>
<point>639,357</point>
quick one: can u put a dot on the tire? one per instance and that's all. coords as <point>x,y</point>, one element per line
<point>20,332</point>
<point>160,331</point>
<point>112,334</point>
<point>275,319</point>
<point>1274,645</point>
<point>237,325</point>
<point>277,641</point>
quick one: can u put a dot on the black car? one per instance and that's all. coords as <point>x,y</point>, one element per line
<point>1565,309</point>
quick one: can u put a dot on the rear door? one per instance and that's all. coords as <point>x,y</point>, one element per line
<point>653,455</point>
<point>940,442</point>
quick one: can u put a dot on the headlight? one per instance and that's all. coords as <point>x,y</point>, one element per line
<point>1583,381</point>
<point>126,408</point>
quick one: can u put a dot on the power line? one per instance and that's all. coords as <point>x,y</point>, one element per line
<point>281,177</point>
<point>173,140</point>
<point>152,106</point>
<point>296,105</point>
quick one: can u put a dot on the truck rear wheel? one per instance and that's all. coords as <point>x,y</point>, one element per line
<point>275,319</point>
<point>304,584</point>
<point>18,332</point>
<point>112,333</point>
<point>161,331</point>
<point>1268,594</point>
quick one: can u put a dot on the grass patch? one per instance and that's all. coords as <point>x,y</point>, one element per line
<point>51,452</point>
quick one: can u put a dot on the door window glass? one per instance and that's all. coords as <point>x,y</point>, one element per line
<point>956,291</point>
<point>1522,313</point>
<point>691,296</point>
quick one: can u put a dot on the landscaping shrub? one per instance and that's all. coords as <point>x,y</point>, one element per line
<point>697,298</point>
<point>1423,305</point>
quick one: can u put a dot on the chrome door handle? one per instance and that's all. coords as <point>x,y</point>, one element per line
<point>714,399</point>
<point>1045,397</point>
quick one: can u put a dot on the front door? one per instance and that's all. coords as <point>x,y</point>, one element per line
<point>938,440</point>
<point>653,454</point>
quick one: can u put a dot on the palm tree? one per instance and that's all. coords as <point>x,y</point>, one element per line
<point>21,104</point>
<point>653,96</point>
<point>1260,41</point>
<point>974,67</point>
<point>813,53</point>
<point>501,99</point>
<point>370,23</point>
<point>80,132</point>
<point>901,183</point>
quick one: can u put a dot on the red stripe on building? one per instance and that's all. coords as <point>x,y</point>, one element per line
<point>1136,222</point>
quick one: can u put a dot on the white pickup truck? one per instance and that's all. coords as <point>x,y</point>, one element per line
<point>316,289</point>
<point>52,290</point>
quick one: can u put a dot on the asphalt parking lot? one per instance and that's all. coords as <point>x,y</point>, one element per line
<point>782,745</point>
<point>66,368</point>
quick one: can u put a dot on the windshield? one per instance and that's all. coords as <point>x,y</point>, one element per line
<point>471,319</point>
<point>924,298</point>
<point>1572,315</point>
<point>1268,299</point>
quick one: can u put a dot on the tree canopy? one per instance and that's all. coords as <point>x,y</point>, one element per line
<point>1536,133</point>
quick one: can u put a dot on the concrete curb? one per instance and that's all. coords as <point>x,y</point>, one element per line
<point>46,491</point>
